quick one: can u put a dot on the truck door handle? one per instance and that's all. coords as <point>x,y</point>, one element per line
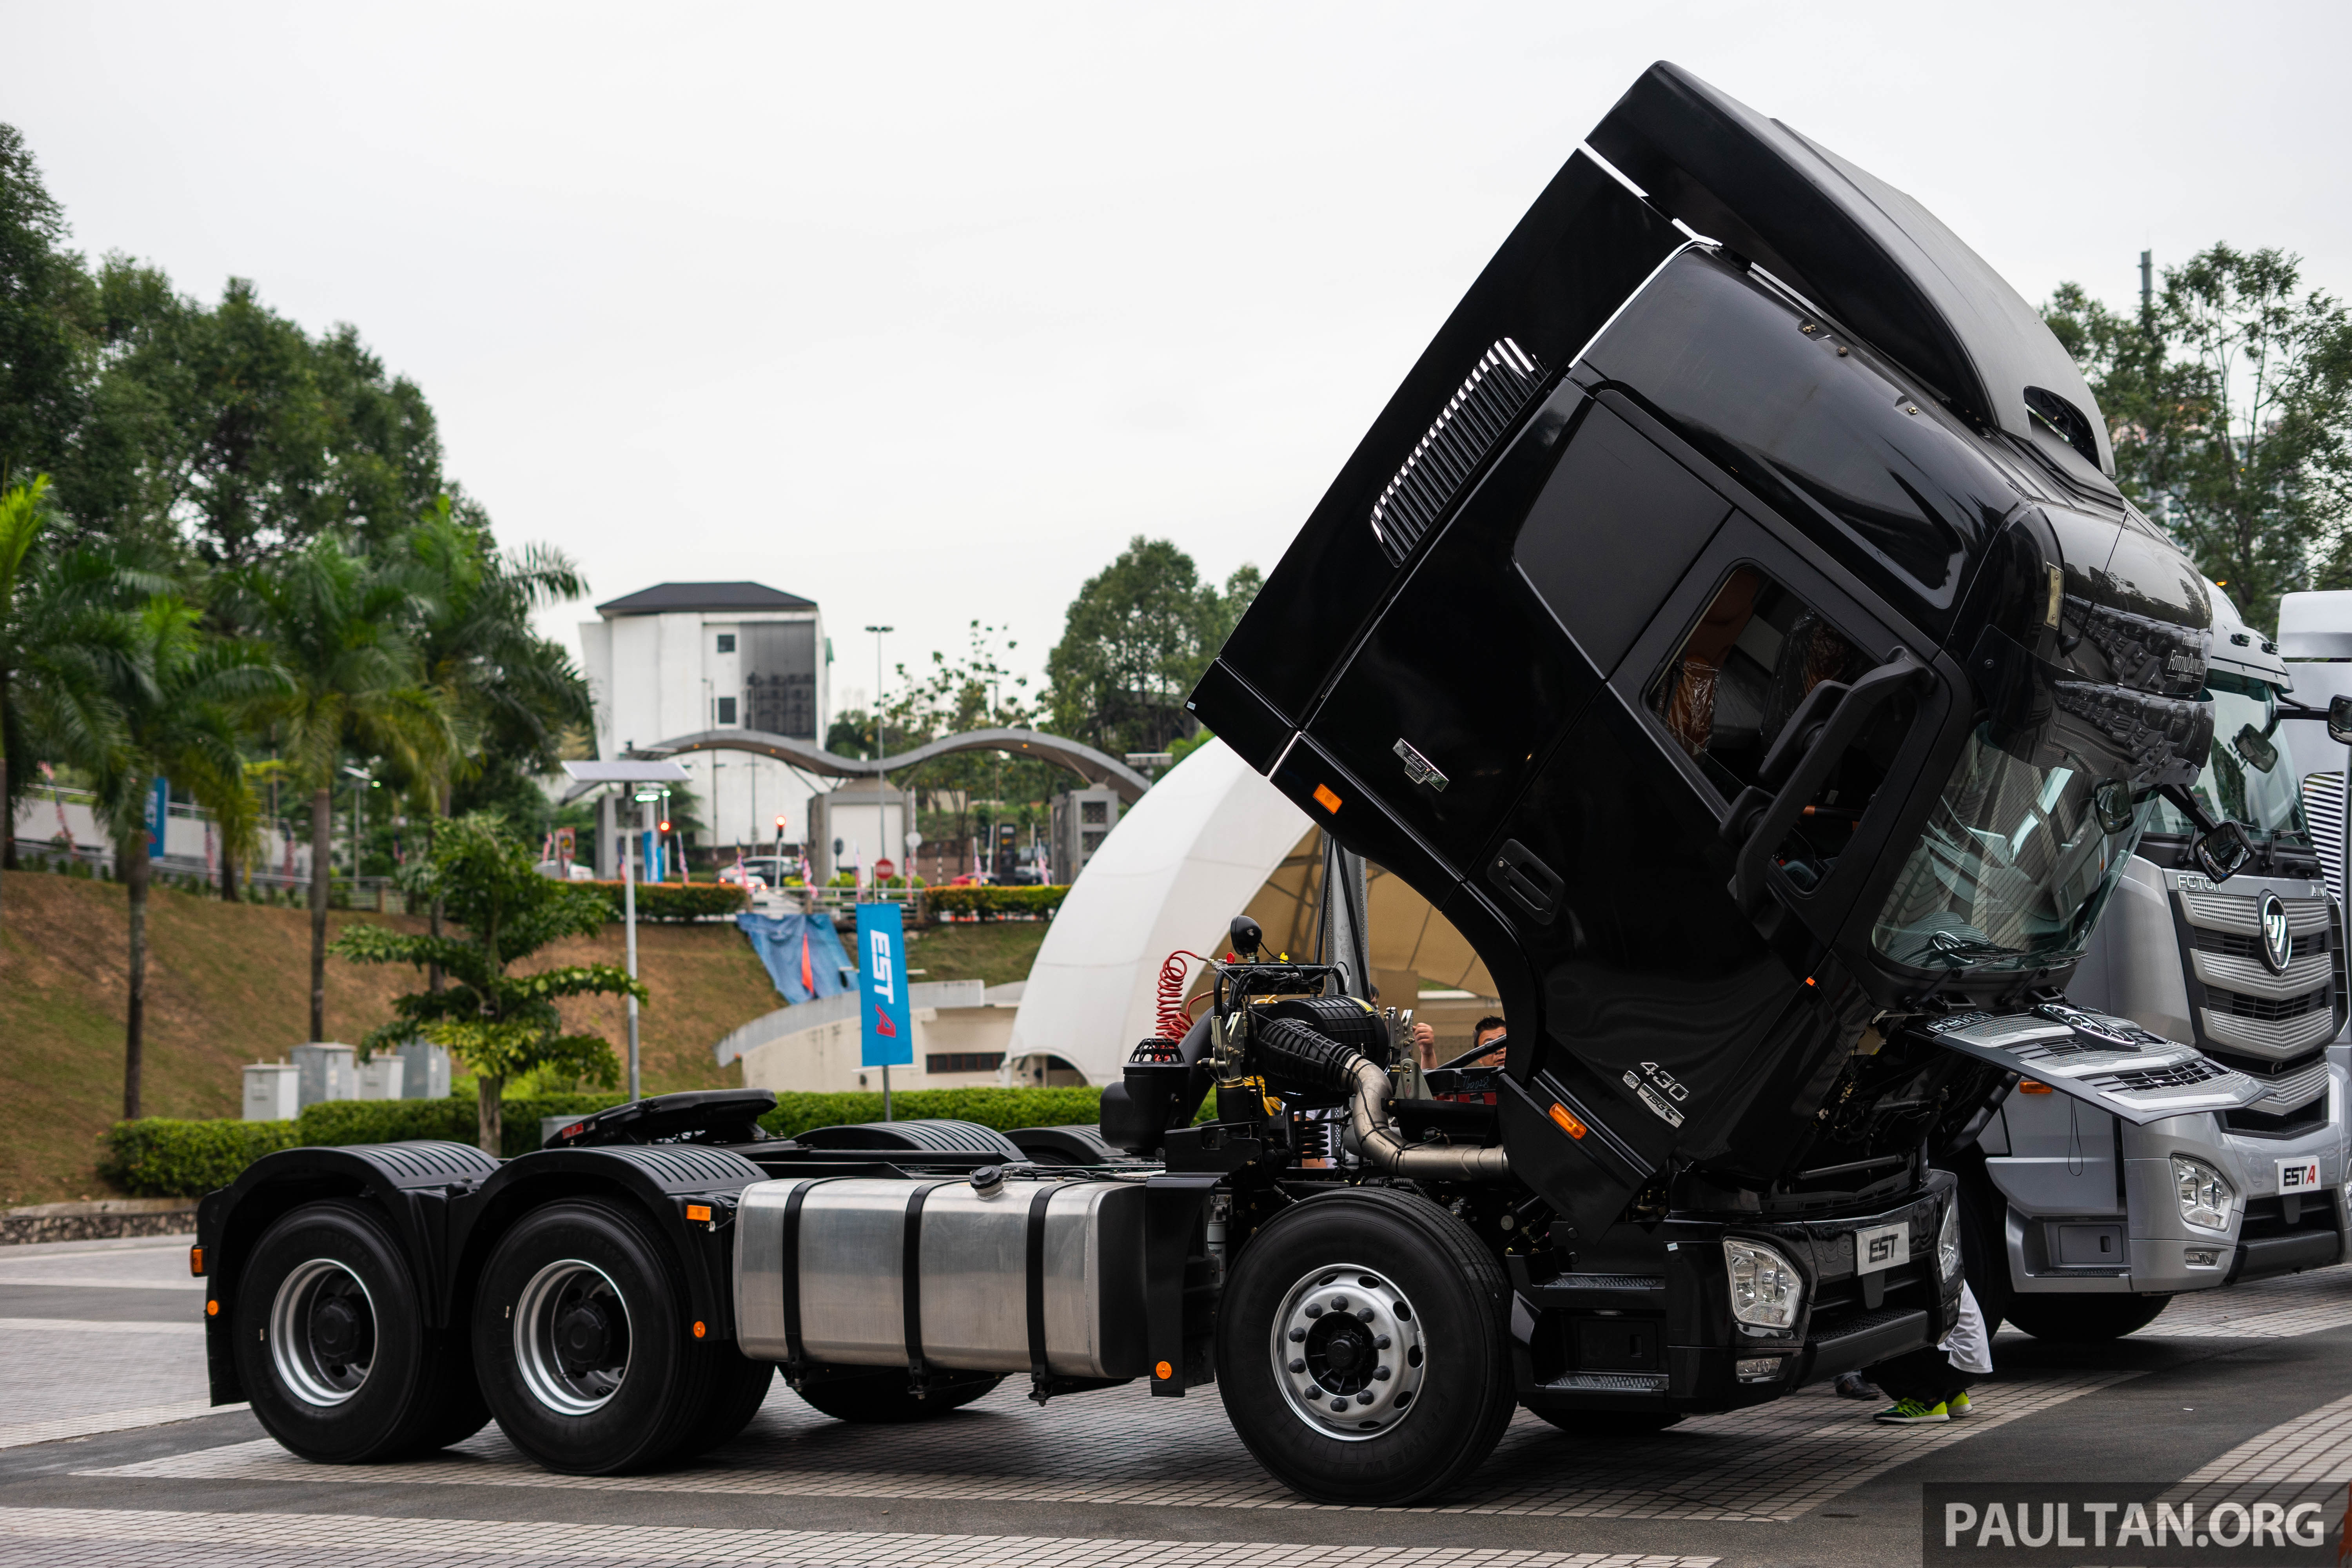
<point>1765,827</point>
<point>1536,886</point>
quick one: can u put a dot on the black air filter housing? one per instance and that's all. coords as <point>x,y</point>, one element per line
<point>1353,1023</point>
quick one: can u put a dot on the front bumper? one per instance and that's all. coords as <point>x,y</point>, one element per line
<point>1656,1333</point>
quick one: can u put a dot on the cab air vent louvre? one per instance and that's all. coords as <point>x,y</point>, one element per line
<point>1474,420</point>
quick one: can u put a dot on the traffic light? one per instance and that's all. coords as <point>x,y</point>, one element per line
<point>780,825</point>
<point>664,825</point>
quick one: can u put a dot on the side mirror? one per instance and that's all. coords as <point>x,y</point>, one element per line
<point>2339,720</point>
<point>2260,755</point>
<point>2113,804</point>
<point>2222,853</point>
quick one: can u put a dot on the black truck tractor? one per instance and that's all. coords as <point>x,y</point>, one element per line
<point>1732,626</point>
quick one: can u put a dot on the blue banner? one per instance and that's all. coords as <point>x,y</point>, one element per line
<point>888,1036</point>
<point>159,801</point>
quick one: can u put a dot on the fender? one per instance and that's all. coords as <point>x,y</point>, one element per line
<point>412,1185</point>
<point>660,1178</point>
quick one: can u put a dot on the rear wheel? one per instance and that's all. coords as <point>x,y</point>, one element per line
<point>332,1346</point>
<point>887,1395</point>
<point>581,1345</point>
<point>1362,1343</point>
<point>2084,1319</point>
<point>738,1389</point>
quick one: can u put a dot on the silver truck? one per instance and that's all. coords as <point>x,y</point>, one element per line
<point>2087,1226</point>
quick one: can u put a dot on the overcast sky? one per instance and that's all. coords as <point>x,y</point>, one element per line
<point>922,312</point>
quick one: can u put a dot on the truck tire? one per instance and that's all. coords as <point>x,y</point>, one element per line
<point>582,1341</point>
<point>737,1388</point>
<point>332,1346</point>
<point>1363,1346</point>
<point>885,1397</point>
<point>2084,1319</point>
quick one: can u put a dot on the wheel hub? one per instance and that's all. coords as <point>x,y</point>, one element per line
<point>572,1336</point>
<point>1348,1353</point>
<point>322,1333</point>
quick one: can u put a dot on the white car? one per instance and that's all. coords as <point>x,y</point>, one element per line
<point>751,881</point>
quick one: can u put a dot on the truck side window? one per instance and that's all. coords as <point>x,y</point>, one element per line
<point>1740,673</point>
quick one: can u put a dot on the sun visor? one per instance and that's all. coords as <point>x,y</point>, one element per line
<point>1859,248</point>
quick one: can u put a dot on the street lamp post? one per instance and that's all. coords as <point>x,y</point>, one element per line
<point>646,779</point>
<point>881,798</point>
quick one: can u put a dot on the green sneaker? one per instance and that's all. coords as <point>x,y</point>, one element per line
<point>1911,1412</point>
<point>1958,1406</point>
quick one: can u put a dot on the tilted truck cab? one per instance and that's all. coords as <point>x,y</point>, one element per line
<point>1730,624</point>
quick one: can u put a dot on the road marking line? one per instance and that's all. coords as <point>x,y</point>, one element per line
<point>538,1541</point>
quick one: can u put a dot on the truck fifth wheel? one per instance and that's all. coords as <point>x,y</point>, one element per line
<point>1732,626</point>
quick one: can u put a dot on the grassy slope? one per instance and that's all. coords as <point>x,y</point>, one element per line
<point>228,985</point>
<point>996,953</point>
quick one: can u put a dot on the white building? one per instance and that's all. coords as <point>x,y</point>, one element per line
<point>679,658</point>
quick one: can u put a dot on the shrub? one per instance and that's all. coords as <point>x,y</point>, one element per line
<point>995,903</point>
<point>457,1120</point>
<point>158,1157</point>
<point>1002,1109</point>
<point>678,901</point>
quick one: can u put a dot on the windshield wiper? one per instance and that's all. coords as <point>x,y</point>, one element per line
<point>1953,945</point>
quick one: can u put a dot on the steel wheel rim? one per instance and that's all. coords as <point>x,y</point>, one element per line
<point>1346,1335</point>
<point>322,1332</point>
<point>567,1376</point>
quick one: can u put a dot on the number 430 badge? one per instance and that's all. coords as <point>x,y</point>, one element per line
<point>1660,1093</point>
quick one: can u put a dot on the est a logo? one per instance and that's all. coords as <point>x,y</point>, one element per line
<point>1881,1249</point>
<point>2298,1178</point>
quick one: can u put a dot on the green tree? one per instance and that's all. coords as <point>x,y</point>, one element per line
<point>2229,398</point>
<point>178,699</point>
<point>500,1023</point>
<point>1137,637</point>
<point>45,305</point>
<point>339,626</point>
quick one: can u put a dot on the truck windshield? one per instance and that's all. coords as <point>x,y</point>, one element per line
<point>2248,779</point>
<point>2012,869</point>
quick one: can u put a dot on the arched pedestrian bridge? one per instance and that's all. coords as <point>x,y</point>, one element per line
<point>1096,767</point>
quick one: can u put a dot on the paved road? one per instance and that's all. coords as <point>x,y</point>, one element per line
<point>100,1462</point>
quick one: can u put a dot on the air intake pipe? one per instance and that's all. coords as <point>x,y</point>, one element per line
<point>1290,1050</point>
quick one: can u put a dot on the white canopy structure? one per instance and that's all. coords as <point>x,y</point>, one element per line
<point>1212,839</point>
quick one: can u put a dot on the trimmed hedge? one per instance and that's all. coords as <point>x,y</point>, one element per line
<point>159,1157</point>
<point>678,902</point>
<point>994,902</point>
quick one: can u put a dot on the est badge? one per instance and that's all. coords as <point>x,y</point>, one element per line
<point>2299,1176</point>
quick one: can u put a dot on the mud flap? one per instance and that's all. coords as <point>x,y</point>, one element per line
<point>2110,1063</point>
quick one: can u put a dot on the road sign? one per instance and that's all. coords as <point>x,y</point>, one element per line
<point>888,1037</point>
<point>159,802</point>
<point>886,867</point>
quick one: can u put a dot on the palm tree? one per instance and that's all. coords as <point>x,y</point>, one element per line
<point>339,625</point>
<point>177,700</point>
<point>21,516</point>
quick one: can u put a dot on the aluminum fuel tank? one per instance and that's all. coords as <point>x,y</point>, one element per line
<point>973,1274</point>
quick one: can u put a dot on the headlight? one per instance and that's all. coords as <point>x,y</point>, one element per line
<point>1766,1290</point>
<point>1947,1241</point>
<point>2205,1194</point>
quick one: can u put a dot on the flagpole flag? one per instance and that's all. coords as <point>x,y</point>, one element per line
<point>888,1036</point>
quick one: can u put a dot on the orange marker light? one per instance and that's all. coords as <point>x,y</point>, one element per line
<point>698,1329</point>
<point>1567,1120</point>
<point>212,1309</point>
<point>1325,798</point>
<point>2033,1085</point>
<point>1164,1372</point>
<point>698,1212</point>
<point>197,1261</point>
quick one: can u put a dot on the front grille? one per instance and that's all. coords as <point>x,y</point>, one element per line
<point>1473,421</point>
<point>2186,1075</point>
<point>2264,1008</point>
<point>1610,1382</point>
<point>2291,1124</point>
<point>2273,1072</point>
<point>2267,1217</point>
<point>2236,945</point>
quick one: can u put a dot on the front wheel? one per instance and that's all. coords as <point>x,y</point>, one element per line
<point>1362,1343</point>
<point>581,1342</point>
<point>2084,1319</point>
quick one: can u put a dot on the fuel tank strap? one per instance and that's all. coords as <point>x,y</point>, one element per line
<point>1038,1204</point>
<point>910,1273</point>
<point>789,1271</point>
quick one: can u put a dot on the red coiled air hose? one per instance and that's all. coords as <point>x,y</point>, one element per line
<point>1174,1023</point>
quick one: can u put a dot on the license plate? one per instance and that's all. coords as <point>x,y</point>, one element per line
<point>1881,1247</point>
<point>2299,1176</point>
